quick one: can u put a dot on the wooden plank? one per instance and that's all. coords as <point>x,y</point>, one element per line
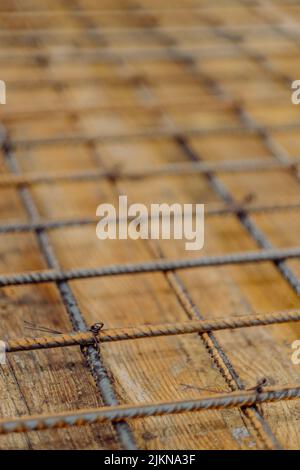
<point>161,368</point>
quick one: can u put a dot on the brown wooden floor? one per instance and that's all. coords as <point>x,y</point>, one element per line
<point>100,68</point>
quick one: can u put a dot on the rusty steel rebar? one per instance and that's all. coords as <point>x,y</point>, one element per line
<point>173,169</point>
<point>57,275</point>
<point>127,412</point>
<point>155,133</point>
<point>150,331</point>
<point>45,224</point>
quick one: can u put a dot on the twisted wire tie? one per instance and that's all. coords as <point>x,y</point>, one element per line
<point>93,337</point>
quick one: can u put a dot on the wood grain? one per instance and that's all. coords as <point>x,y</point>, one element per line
<point>125,97</point>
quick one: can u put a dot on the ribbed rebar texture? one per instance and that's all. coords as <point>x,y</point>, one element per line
<point>120,413</point>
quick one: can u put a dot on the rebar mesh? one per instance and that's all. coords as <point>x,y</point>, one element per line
<point>162,39</point>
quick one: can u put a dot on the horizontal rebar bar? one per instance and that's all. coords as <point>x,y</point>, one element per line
<point>188,104</point>
<point>114,55</point>
<point>45,224</point>
<point>172,169</point>
<point>151,331</point>
<point>139,30</point>
<point>135,11</point>
<point>123,412</point>
<point>129,80</point>
<point>155,133</point>
<point>55,275</point>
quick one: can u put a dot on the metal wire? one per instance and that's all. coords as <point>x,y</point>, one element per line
<point>155,134</point>
<point>56,275</point>
<point>17,226</point>
<point>130,11</point>
<point>106,31</point>
<point>172,169</point>
<point>120,413</point>
<point>151,331</point>
<point>116,82</point>
<point>113,55</point>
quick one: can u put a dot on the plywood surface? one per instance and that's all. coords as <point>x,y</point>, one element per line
<point>63,90</point>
